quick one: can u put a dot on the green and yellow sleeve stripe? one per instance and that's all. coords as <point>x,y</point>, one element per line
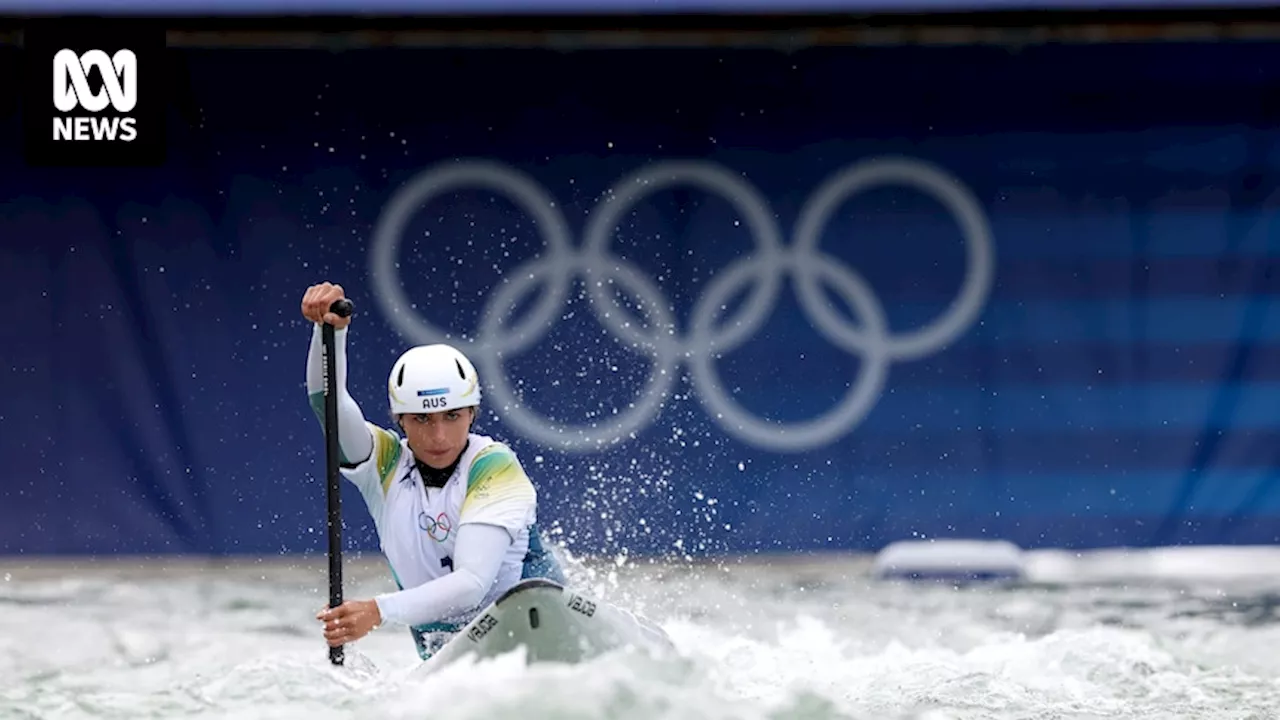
<point>496,478</point>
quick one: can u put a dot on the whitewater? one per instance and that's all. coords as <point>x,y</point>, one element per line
<point>1168,633</point>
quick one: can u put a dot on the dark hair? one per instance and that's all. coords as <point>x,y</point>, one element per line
<point>475,415</point>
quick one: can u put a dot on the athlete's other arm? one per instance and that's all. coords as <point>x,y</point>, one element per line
<point>355,438</point>
<point>477,557</point>
<point>499,503</point>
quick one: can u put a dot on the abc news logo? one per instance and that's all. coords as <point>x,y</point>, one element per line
<point>95,93</point>
<point>72,91</point>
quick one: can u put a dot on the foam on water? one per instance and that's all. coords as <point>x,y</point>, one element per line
<point>1113,638</point>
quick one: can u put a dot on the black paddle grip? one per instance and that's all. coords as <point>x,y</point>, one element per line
<point>342,308</point>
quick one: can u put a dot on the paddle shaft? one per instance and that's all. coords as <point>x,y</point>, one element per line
<point>341,308</point>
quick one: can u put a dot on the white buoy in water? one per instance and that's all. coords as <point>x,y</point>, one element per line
<point>950,560</point>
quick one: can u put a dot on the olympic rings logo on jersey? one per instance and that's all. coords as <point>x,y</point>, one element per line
<point>438,527</point>
<point>763,270</point>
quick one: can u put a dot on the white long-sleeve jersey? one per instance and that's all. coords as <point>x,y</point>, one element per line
<point>452,549</point>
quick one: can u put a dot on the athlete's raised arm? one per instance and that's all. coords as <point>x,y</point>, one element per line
<point>355,438</point>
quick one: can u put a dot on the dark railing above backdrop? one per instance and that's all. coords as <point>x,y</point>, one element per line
<point>1055,325</point>
<point>594,7</point>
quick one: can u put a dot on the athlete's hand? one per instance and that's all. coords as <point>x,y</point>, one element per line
<point>316,303</point>
<point>350,621</point>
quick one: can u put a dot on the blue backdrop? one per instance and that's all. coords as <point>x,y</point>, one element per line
<point>1046,315</point>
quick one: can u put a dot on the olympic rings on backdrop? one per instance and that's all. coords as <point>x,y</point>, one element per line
<point>762,272</point>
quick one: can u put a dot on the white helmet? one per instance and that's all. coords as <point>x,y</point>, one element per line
<point>432,378</point>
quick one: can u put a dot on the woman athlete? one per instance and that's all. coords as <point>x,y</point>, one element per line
<point>455,514</point>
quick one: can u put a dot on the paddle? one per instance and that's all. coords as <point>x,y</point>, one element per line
<point>341,308</point>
